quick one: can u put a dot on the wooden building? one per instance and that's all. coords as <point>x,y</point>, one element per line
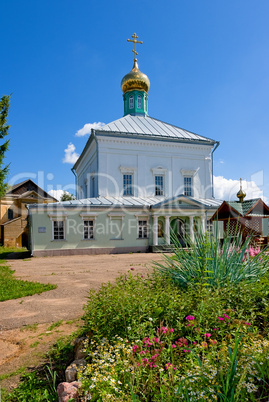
<point>250,217</point>
<point>13,212</point>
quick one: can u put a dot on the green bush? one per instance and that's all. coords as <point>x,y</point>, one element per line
<point>226,330</point>
<point>134,306</point>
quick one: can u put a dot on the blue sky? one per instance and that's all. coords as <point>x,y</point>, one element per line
<point>207,60</point>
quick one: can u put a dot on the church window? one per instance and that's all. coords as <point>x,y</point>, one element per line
<point>188,186</point>
<point>58,230</point>
<point>128,184</point>
<point>10,214</point>
<point>142,229</point>
<point>159,185</point>
<point>88,230</point>
<point>139,102</point>
<point>131,102</point>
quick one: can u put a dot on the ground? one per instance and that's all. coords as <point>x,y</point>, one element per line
<point>25,323</point>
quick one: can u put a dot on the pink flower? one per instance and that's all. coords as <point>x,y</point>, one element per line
<point>168,365</point>
<point>162,330</point>
<point>221,319</point>
<point>212,341</point>
<point>186,350</point>
<point>190,317</point>
<point>247,323</point>
<point>207,335</point>
<point>174,346</point>
<point>138,364</point>
<point>215,329</point>
<point>175,368</point>
<point>194,342</point>
<point>226,316</point>
<point>171,330</point>
<point>132,269</point>
<point>183,341</point>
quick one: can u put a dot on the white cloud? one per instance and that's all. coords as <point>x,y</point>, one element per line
<point>226,189</point>
<point>87,128</point>
<point>70,156</point>
<point>58,193</point>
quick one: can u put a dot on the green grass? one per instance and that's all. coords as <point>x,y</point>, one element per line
<point>12,288</point>
<point>40,384</point>
<point>29,327</point>
<point>55,325</point>
<point>5,251</point>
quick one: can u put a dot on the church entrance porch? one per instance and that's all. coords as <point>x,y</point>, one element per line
<point>168,229</point>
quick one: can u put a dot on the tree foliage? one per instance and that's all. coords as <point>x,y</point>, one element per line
<point>4,127</point>
<point>67,197</point>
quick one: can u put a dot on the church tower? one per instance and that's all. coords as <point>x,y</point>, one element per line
<point>135,86</point>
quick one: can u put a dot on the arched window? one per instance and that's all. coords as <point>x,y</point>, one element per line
<point>139,102</point>
<point>131,102</point>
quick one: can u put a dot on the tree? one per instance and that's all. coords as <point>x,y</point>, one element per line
<point>67,196</point>
<point>4,107</point>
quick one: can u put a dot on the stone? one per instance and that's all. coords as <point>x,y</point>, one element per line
<point>67,391</point>
<point>79,348</point>
<point>73,368</point>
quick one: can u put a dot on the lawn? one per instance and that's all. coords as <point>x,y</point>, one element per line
<point>12,288</point>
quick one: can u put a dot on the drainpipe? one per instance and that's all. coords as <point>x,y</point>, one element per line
<point>216,146</point>
<point>76,181</point>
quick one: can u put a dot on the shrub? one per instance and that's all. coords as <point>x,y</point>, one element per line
<point>207,262</point>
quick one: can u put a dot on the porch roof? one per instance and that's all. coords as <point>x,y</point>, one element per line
<point>185,202</point>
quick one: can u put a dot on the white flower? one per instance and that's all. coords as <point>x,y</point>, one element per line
<point>150,319</point>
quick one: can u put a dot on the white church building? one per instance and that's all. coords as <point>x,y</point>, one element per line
<point>138,181</point>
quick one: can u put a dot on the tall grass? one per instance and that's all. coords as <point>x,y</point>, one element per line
<point>209,262</point>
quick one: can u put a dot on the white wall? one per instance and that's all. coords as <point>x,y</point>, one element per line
<point>144,156</point>
<point>86,170</point>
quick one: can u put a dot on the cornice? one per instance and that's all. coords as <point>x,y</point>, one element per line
<point>153,143</point>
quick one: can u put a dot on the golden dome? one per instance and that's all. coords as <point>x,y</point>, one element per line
<point>135,80</point>
<point>241,194</point>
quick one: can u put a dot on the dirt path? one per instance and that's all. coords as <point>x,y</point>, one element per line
<point>74,276</point>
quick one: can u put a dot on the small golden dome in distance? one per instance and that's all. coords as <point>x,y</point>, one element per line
<point>135,80</point>
<point>241,194</point>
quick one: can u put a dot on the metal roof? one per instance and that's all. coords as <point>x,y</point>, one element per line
<point>210,202</point>
<point>138,202</point>
<point>110,201</point>
<point>150,127</point>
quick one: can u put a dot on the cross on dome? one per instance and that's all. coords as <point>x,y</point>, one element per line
<point>135,41</point>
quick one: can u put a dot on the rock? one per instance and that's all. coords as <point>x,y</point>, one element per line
<point>66,391</point>
<point>71,371</point>
<point>78,349</point>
